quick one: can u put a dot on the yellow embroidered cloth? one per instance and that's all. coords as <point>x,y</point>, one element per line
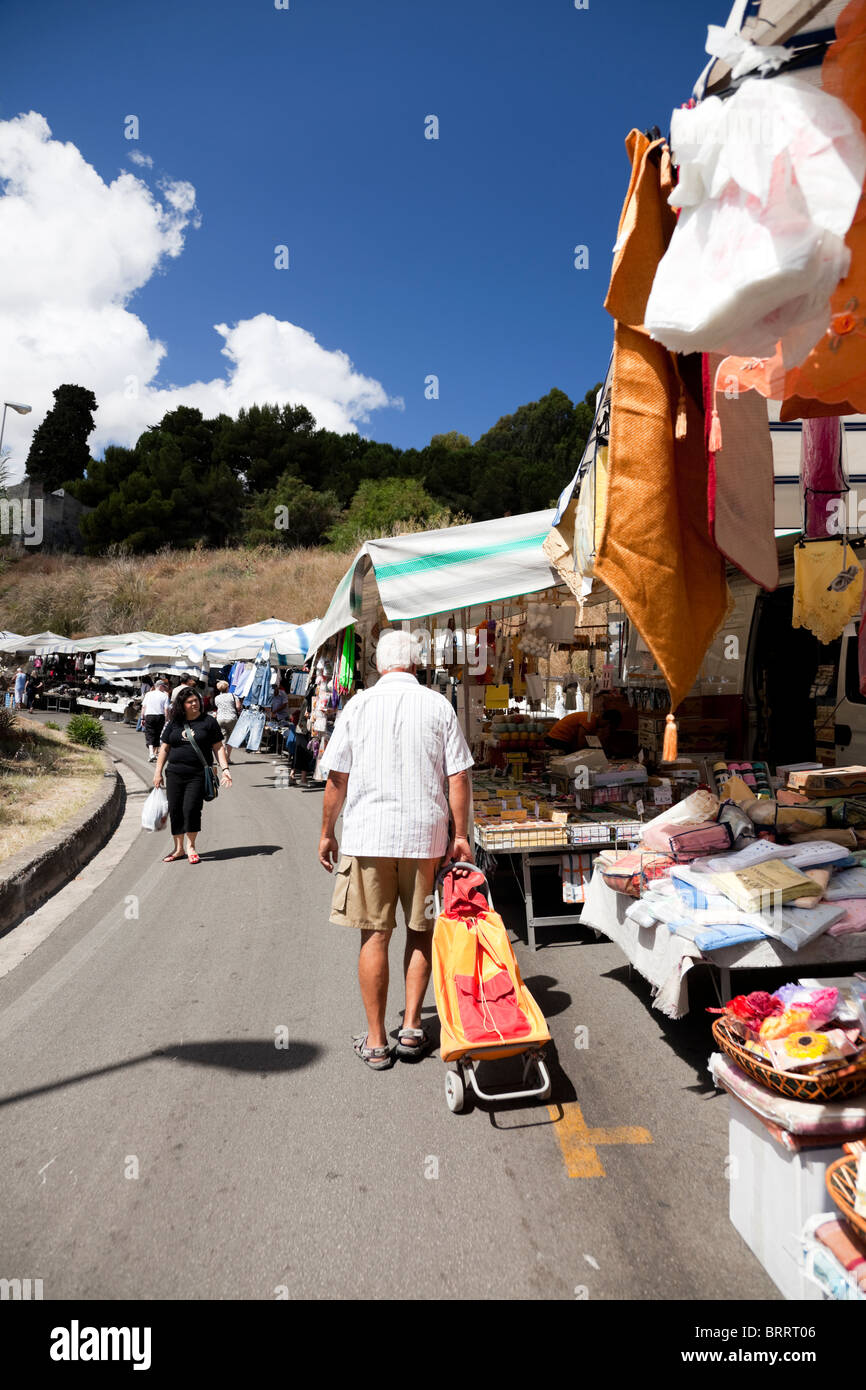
<point>818,607</point>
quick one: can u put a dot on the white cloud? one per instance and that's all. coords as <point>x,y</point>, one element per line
<point>143,159</point>
<point>74,250</point>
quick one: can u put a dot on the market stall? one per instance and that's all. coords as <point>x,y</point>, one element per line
<point>793,1064</point>
<point>489,614</point>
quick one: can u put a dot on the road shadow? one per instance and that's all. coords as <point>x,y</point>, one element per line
<point>550,999</point>
<point>241,851</point>
<point>690,1037</point>
<point>250,1056</point>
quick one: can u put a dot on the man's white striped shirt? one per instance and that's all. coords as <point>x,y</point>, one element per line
<point>398,742</point>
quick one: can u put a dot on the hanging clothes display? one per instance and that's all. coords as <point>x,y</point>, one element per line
<point>828,587</point>
<point>741,487</point>
<point>655,552</point>
<point>822,476</point>
<point>255,690</point>
<point>769,183</point>
<point>832,380</point>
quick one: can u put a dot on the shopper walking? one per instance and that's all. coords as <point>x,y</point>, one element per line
<point>19,687</point>
<point>188,729</point>
<point>399,761</point>
<point>154,713</point>
<point>228,707</point>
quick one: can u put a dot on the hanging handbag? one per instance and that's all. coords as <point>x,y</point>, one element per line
<point>211,781</point>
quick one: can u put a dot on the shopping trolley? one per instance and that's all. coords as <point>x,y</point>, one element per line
<point>485,1010</point>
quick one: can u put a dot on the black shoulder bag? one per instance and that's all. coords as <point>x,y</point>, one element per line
<point>211,781</point>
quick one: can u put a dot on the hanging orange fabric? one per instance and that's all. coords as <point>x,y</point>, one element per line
<point>832,379</point>
<point>655,550</point>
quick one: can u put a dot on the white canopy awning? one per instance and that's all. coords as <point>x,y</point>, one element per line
<point>290,641</point>
<point>38,642</point>
<point>459,567</point>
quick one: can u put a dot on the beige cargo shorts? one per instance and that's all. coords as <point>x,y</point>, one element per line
<point>367,890</point>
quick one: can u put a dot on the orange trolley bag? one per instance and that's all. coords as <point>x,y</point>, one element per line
<point>485,1010</point>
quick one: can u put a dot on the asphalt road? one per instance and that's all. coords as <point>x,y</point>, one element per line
<point>157,1143</point>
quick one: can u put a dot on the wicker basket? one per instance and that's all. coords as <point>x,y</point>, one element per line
<point>840,1179</point>
<point>842,1084</point>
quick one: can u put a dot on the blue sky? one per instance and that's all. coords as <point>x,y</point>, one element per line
<point>305,128</point>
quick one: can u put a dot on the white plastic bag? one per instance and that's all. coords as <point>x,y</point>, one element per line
<point>154,812</point>
<point>769,183</point>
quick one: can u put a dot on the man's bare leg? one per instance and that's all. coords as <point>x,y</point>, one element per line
<point>373,979</point>
<point>417,962</point>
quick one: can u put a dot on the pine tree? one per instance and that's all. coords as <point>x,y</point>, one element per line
<point>59,453</point>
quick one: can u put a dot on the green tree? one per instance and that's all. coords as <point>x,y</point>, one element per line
<point>59,452</point>
<point>377,507</point>
<point>452,440</point>
<point>264,443</point>
<point>291,514</point>
<point>167,491</point>
<point>105,475</point>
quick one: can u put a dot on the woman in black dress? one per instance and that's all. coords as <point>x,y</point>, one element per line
<point>184,773</point>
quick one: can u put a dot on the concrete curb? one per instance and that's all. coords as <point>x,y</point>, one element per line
<point>33,875</point>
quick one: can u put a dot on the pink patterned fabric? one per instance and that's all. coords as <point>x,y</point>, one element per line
<point>821,472</point>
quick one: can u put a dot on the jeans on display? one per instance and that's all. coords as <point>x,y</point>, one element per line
<point>257,728</point>
<point>241,729</point>
<point>250,727</point>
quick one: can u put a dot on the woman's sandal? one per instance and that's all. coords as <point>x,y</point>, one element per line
<point>412,1051</point>
<point>376,1058</point>
<point>173,858</point>
<point>193,857</point>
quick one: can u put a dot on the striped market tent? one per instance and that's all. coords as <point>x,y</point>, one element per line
<point>442,572</point>
<point>291,642</point>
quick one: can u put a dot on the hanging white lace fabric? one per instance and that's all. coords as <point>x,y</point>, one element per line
<point>769,182</point>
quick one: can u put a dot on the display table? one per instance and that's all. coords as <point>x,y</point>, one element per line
<point>665,959</point>
<point>772,1193</point>
<point>116,707</point>
<point>548,856</point>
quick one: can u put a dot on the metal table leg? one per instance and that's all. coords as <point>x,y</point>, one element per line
<point>527,897</point>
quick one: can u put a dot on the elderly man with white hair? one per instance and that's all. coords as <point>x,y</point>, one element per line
<point>399,762</point>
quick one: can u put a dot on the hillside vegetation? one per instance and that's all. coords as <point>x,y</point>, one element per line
<point>172,591</point>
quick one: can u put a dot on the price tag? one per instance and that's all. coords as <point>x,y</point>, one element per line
<point>664,793</point>
<point>593,741</point>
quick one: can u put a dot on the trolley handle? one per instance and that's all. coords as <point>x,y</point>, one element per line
<point>458,864</point>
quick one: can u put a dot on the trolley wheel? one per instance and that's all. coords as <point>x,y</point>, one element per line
<point>454,1091</point>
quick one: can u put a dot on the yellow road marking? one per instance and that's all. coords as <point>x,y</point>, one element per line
<point>578,1142</point>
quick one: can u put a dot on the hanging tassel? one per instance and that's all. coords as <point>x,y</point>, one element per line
<point>714,442</point>
<point>682,419</point>
<point>669,747</point>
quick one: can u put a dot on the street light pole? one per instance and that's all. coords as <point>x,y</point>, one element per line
<point>13,405</point>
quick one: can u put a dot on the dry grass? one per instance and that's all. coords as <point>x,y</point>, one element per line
<point>172,591</point>
<point>44,786</point>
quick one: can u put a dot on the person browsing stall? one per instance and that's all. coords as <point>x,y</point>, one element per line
<point>397,764</point>
<point>188,729</point>
<point>154,712</point>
